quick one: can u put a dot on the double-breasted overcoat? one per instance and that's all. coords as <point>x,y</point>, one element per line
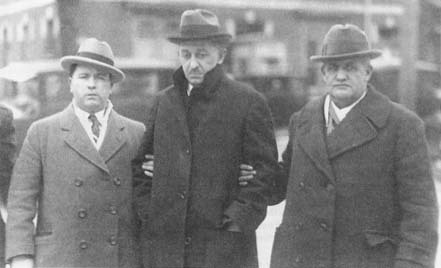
<point>83,197</point>
<point>198,144</point>
<point>362,196</point>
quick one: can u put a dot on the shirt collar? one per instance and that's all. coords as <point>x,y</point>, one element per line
<point>102,115</point>
<point>341,113</point>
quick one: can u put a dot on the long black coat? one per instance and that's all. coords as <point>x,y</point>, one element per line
<point>198,144</point>
<point>361,197</point>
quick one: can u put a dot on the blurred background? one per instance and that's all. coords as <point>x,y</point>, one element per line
<point>273,40</point>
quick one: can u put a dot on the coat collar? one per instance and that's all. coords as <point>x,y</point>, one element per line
<point>208,87</point>
<point>358,127</point>
<point>76,137</point>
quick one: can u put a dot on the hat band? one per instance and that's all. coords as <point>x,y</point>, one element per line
<point>198,31</point>
<point>96,57</point>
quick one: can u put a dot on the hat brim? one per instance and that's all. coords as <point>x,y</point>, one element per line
<point>116,74</point>
<point>222,38</point>
<point>371,54</point>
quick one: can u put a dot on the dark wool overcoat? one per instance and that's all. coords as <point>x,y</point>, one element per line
<point>198,144</point>
<point>361,197</point>
<point>83,197</point>
<point>7,155</point>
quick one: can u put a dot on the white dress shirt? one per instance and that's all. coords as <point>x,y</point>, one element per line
<point>102,117</point>
<point>341,113</point>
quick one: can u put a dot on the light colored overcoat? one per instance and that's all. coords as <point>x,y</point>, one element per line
<point>82,196</point>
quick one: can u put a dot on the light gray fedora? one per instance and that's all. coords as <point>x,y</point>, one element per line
<point>97,54</point>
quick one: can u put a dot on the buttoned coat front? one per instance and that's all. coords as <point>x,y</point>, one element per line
<point>196,170</point>
<point>82,196</point>
<point>361,197</point>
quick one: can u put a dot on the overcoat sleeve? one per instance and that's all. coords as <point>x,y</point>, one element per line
<point>417,197</point>
<point>142,184</point>
<point>260,151</point>
<point>7,151</point>
<point>23,195</point>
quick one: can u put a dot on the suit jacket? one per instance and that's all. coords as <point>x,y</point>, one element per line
<point>198,146</point>
<point>362,196</point>
<point>82,196</point>
<point>7,155</point>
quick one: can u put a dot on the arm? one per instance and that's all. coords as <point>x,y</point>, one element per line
<point>260,151</point>
<point>25,187</point>
<point>142,183</point>
<point>417,197</point>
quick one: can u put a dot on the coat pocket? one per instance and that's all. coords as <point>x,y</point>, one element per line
<point>375,238</point>
<point>380,251</point>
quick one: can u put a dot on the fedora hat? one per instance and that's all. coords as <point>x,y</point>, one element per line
<point>200,24</point>
<point>345,42</point>
<point>97,54</point>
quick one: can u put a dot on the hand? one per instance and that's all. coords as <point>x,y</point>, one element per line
<point>229,225</point>
<point>147,166</point>
<point>23,261</point>
<point>247,173</point>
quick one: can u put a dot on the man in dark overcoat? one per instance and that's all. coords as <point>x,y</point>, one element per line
<point>7,156</point>
<point>359,190</point>
<point>74,172</point>
<point>199,131</point>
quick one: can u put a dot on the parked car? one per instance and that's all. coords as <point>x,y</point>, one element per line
<point>37,89</point>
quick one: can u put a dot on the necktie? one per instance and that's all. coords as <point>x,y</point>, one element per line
<point>95,127</point>
<point>333,120</point>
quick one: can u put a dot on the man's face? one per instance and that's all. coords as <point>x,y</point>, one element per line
<point>346,80</point>
<point>197,58</point>
<point>90,87</point>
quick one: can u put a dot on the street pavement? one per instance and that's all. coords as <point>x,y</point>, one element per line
<point>265,232</point>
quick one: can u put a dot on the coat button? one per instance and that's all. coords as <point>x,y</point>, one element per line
<point>330,187</point>
<point>182,195</point>
<point>84,244</point>
<point>78,182</point>
<point>82,213</point>
<point>324,226</point>
<point>298,259</point>
<point>112,240</point>
<point>187,240</point>
<point>112,210</point>
<point>187,151</point>
<point>302,184</point>
<point>117,181</point>
<point>299,226</point>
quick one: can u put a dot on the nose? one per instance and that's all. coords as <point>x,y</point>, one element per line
<point>193,64</point>
<point>91,82</point>
<point>341,74</point>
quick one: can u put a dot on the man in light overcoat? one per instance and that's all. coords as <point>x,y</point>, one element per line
<point>359,190</point>
<point>199,131</point>
<point>74,172</point>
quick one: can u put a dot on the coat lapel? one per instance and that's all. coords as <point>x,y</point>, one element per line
<point>76,137</point>
<point>114,139</point>
<point>360,125</point>
<point>311,136</point>
<point>174,106</point>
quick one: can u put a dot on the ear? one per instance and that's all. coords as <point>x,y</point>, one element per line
<point>369,71</point>
<point>69,81</point>
<point>222,54</point>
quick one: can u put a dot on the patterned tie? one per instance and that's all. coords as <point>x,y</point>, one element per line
<point>333,120</point>
<point>95,127</point>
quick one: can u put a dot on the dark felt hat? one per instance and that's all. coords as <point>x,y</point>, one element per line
<point>345,42</point>
<point>200,24</point>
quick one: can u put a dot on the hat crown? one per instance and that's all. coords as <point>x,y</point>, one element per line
<point>98,50</point>
<point>344,39</point>
<point>200,24</point>
<point>199,17</point>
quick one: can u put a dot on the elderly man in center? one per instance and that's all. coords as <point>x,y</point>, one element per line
<point>199,131</point>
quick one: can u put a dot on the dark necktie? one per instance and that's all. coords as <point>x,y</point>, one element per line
<point>333,120</point>
<point>95,127</point>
